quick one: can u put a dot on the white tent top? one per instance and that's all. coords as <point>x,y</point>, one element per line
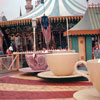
<point>55,8</point>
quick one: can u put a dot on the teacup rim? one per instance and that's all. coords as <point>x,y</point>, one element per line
<point>70,53</point>
<point>93,61</point>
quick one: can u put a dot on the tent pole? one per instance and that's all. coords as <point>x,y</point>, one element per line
<point>34,26</point>
<point>67,35</point>
<point>34,39</point>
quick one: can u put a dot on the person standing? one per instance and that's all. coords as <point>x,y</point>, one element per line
<point>1,52</point>
<point>17,41</point>
<point>8,51</point>
<point>95,51</point>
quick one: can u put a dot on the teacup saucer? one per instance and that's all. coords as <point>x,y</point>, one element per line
<point>49,74</point>
<point>87,94</point>
<point>28,70</point>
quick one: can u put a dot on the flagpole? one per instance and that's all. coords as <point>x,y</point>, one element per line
<point>45,25</point>
<point>67,35</point>
<point>43,2</point>
<point>46,29</point>
<point>44,7</point>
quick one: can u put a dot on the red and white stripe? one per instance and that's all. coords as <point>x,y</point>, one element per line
<point>46,33</point>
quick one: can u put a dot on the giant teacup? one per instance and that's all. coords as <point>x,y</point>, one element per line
<point>93,67</point>
<point>62,64</point>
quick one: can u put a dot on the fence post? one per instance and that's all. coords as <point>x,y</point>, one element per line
<point>17,62</point>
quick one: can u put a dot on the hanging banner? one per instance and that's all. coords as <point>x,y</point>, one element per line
<point>46,29</point>
<point>44,21</point>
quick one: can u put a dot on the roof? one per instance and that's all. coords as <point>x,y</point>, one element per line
<point>4,18</point>
<point>89,24</point>
<point>54,8</point>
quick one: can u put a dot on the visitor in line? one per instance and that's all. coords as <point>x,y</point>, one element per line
<point>44,50</point>
<point>1,52</point>
<point>8,51</point>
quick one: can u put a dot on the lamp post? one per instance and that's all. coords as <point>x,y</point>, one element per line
<point>34,26</point>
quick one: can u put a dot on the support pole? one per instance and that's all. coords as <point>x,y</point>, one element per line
<point>34,42</point>
<point>34,39</point>
<point>67,35</point>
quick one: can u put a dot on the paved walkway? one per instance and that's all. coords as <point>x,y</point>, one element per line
<point>26,86</point>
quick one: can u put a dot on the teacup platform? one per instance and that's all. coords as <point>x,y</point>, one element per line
<point>50,75</point>
<point>87,94</point>
<point>29,70</point>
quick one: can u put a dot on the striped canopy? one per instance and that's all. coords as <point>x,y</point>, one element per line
<point>89,24</point>
<point>57,8</point>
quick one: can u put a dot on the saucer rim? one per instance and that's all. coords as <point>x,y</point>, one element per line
<point>86,94</point>
<point>29,70</point>
<point>41,74</point>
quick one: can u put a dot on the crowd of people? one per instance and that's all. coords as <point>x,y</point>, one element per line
<point>22,42</point>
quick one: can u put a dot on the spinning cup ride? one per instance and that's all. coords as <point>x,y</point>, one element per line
<point>61,65</point>
<point>93,67</point>
<point>64,65</point>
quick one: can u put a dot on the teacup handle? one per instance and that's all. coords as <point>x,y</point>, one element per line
<point>79,72</point>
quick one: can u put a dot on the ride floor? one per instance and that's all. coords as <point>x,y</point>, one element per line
<point>24,85</point>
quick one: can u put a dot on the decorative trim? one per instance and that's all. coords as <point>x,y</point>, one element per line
<point>82,32</point>
<point>24,21</point>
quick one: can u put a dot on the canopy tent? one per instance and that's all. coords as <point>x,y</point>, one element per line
<point>54,9</point>
<point>89,24</point>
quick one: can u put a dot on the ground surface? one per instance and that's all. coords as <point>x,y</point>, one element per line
<point>27,86</point>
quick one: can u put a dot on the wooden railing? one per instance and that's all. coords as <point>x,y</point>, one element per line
<point>15,59</point>
<point>14,66</point>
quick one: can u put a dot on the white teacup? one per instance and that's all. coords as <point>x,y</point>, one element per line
<point>62,64</point>
<point>93,67</point>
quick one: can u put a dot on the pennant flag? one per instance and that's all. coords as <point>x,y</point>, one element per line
<point>46,30</point>
<point>46,33</point>
<point>44,21</point>
<point>45,26</point>
<point>42,1</point>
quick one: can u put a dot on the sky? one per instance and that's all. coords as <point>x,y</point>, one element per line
<point>11,8</point>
